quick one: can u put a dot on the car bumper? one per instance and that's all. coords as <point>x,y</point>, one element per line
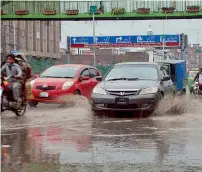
<point>53,96</point>
<point>136,103</point>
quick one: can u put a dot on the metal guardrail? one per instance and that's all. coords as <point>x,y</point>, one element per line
<point>37,7</point>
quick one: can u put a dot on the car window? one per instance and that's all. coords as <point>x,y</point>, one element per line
<point>165,73</point>
<point>60,72</point>
<point>85,72</point>
<point>93,73</point>
<point>167,68</point>
<point>162,74</point>
<point>144,72</point>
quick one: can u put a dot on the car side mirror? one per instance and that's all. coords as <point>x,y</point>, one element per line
<point>36,76</point>
<point>166,78</point>
<point>85,78</point>
<point>99,78</point>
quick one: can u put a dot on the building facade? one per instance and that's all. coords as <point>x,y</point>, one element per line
<point>192,56</point>
<point>34,38</point>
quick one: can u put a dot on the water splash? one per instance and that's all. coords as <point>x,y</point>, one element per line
<point>176,106</point>
<point>75,100</point>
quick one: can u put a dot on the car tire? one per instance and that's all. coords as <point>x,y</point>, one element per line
<point>77,93</point>
<point>98,113</point>
<point>33,103</point>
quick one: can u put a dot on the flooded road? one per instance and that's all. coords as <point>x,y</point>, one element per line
<point>50,139</point>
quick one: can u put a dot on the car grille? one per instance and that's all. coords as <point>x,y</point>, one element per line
<point>45,88</point>
<point>123,93</point>
<point>130,106</point>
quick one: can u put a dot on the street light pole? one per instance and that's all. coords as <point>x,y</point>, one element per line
<point>163,42</point>
<point>14,35</point>
<point>197,55</point>
<point>197,42</point>
<point>94,39</point>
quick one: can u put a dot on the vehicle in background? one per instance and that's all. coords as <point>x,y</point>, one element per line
<point>176,69</point>
<point>190,79</point>
<point>61,80</point>
<point>132,86</point>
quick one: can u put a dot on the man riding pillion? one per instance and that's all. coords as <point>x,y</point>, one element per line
<point>21,60</point>
<point>13,70</point>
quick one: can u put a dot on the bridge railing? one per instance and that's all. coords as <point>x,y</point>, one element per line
<point>37,7</point>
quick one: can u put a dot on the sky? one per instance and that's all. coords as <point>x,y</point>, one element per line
<point>116,28</point>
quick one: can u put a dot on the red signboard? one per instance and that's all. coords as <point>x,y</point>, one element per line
<point>167,44</point>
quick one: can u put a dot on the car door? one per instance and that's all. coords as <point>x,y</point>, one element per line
<point>85,84</point>
<point>168,85</point>
<point>93,73</point>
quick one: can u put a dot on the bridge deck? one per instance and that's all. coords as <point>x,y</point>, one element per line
<point>35,9</point>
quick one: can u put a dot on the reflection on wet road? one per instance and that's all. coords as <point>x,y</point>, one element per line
<point>73,139</point>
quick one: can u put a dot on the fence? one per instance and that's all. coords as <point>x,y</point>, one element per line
<point>39,65</point>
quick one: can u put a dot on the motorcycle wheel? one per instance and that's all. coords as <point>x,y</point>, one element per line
<point>22,111</point>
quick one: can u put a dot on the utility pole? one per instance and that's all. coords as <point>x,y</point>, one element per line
<point>197,53</point>
<point>197,42</point>
<point>94,39</point>
<point>93,10</point>
<point>163,41</point>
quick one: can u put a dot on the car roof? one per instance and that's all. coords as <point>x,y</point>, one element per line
<point>137,63</point>
<point>172,61</point>
<point>74,65</point>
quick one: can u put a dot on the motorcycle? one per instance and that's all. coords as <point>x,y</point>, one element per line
<point>196,88</point>
<point>7,102</point>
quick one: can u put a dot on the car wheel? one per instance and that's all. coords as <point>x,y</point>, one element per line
<point>77,93</point>
<point>33,103</point>
<point>184,92</point>
<point>98,113</point>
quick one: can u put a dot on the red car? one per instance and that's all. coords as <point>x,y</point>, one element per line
<point>60,80</point>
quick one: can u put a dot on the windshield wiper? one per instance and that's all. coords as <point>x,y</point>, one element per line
<point>55,77</point>
<point>45,77</point>
<point>63,77</point>
<point>116,79</point>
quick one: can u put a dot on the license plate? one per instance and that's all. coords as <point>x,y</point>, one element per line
<point>122,101</point>
<point>44,94</point>
<point>1,91</point>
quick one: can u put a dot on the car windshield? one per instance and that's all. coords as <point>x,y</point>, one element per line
<point>133,72</point>
<point>60,72</point>
<point>192,73</point>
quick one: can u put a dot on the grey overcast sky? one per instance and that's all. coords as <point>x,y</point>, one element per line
<point>110,28</point>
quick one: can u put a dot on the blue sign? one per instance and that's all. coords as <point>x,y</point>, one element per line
<point>127,41</point>
<point>15,52</point>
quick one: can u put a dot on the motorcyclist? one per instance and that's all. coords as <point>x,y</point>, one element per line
<point>197,75</point>
<point>13,70</point>
<point>198,78</point>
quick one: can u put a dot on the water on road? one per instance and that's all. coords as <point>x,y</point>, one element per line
<point>53,139</point>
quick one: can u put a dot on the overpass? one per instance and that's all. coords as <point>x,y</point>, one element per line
<point>103,9</point>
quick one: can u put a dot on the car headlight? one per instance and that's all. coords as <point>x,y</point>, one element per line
<point>150,90</point>
<point>98,90</point>
<point>32,83</point>
<point>66,85</point>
